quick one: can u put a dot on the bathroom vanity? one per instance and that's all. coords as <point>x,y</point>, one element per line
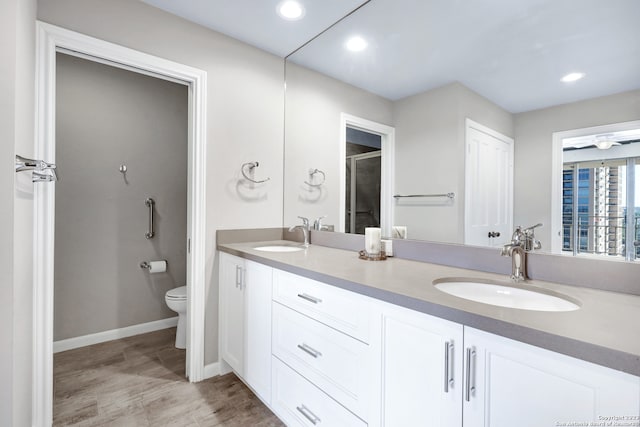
<point>324,338</point>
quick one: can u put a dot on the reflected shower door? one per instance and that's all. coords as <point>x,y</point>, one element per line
<point>363,181</point>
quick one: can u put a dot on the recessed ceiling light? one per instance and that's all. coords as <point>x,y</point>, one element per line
<point>356,44</point>
<point>572,77</point>
<point>290,10</point>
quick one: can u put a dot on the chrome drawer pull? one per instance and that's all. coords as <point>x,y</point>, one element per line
<point>308,414</point>
<point>309,350</point>
<point>310,298</point>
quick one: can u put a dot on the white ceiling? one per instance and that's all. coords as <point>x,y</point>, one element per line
<point>257,23</point>
<point>512,52</point>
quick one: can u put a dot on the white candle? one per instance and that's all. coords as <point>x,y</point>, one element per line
<point>372,236</point>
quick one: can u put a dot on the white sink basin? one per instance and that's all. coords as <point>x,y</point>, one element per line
<point>279,248</point>
<point>522,297</point>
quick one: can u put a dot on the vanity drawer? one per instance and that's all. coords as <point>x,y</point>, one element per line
<point>340,309</point>
<point>299,403</point>
<point>337,363</point>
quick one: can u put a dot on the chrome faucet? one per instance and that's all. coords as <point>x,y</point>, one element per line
<point>317,224</point>
<point>522,241</point>
<point>305,229</point>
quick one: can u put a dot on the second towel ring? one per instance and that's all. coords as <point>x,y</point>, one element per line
<point>252,165</point>
<point>312,172</point>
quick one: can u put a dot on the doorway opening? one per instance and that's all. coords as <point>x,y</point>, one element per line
<point>363,180</point>
<point>50,40</point>
<point>367,156</point>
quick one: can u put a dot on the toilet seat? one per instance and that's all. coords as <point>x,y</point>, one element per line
<point>179,293</point>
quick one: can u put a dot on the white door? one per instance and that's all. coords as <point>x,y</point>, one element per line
<point>488,186</point>
<point>421,369</point>
<point>232,281</point>
<point>516,384</point>
<point>257,306</point>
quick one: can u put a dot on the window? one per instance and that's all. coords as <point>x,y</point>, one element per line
<point>601,207</point>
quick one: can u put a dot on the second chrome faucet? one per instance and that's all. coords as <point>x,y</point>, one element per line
<point>306,227</point>
<point>522,241</point>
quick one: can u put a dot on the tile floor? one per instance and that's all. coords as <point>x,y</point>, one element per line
<point>139,381</point>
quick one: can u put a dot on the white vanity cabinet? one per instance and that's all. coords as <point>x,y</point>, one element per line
<point>320,342</point>
<point>245,321</point>
<point>421,369</point>
<point>515,384</point>
<point>321,355</point>
<point>232,283</point>
<point>492,381</point>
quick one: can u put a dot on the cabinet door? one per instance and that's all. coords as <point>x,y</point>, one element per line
<point>257,306</point>
<point>421,369</point>
<point>232,311</point>
<point>516,384</point>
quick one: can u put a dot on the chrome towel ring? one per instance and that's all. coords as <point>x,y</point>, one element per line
<point>250,166</point>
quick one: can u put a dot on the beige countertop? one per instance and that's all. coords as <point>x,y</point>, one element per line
<point>605,330</point>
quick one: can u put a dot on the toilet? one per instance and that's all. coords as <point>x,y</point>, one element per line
<point>176,299</point>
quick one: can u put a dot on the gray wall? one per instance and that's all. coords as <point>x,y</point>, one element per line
<point>314,104</point>
<point>106,116</point>
<point>244,112</point>
<point>430,141</point>
<point>533,150</point>
<point>17,53</point>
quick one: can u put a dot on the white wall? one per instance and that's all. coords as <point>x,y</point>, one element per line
<point>314,105</point>
<point>430,141</point>
<point>533,150</point>
<point>7,141</point>
<point>245,114</point>
<point>17,52</point>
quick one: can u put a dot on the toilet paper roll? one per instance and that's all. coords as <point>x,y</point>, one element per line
<point>157,266</point>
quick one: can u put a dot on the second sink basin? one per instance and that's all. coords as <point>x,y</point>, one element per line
<point>279,248</point>
<point>522,297</point>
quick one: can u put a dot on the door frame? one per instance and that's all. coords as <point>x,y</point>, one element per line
<point>387,133</point>
<point>470,124</point>
<point>50,40</point>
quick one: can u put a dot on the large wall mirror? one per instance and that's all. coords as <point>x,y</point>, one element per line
<point>463,110</point>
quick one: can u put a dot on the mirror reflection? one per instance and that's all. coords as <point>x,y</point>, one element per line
<point>470,102</point>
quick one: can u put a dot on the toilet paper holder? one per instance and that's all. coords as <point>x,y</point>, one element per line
<point>147,264</point>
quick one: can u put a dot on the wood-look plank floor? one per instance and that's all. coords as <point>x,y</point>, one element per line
<point>139,381</point>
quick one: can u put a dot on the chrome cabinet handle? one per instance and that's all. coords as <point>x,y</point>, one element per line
<point>239,277</point>
<point>448,361</point>
<point>309,350</point>
<point>313,418</point>
<point>470,386</point>
<point>310,298</point>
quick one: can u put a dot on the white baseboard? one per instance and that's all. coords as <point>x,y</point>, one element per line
<point>211,370</point>
<point>114,334</point>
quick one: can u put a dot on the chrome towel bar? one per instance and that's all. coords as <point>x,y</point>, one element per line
<point>449,195</point>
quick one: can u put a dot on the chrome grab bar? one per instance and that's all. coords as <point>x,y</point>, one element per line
<point>38,167</point>
<point>150,204</point>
